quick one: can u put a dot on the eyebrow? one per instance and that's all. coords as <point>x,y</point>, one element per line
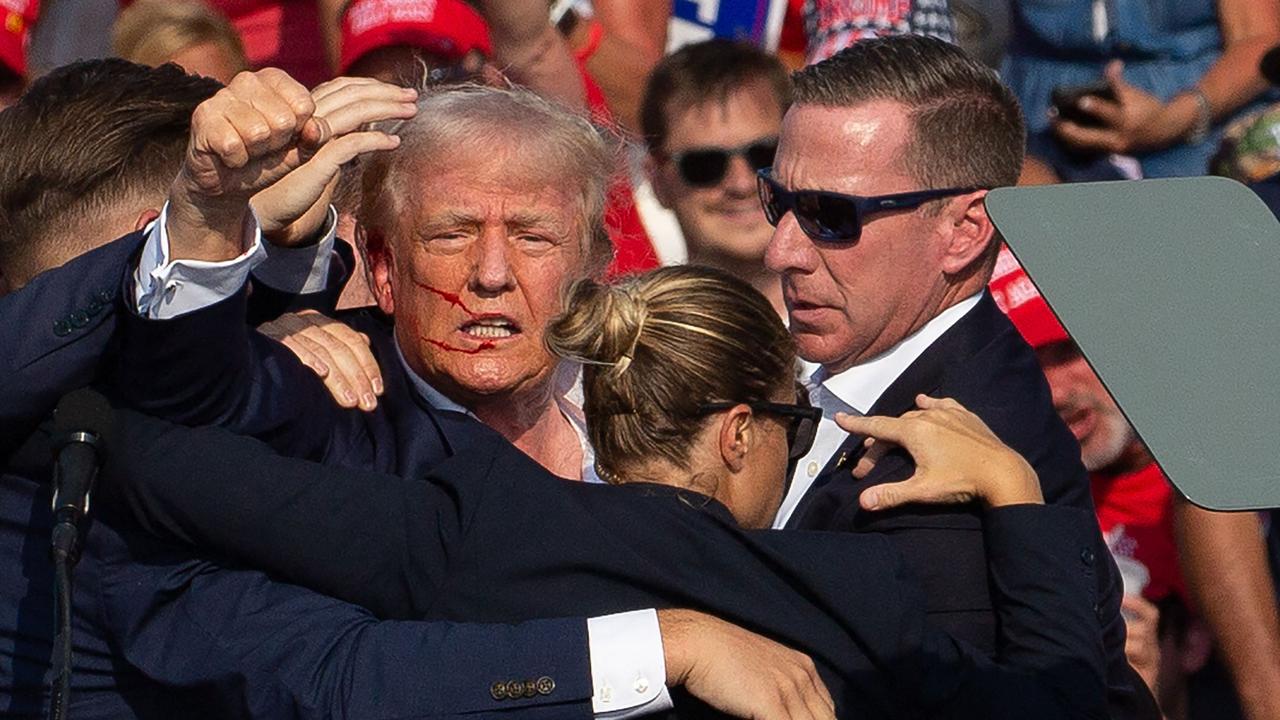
<point>519,219</point>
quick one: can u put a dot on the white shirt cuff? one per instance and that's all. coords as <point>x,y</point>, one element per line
<point>628,670</point>
<point>300,270</point>
<point>165,289</point>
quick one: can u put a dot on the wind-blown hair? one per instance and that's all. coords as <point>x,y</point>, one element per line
<point>564,145</point>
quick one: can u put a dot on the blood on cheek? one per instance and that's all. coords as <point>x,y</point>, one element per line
<point>456,301</point>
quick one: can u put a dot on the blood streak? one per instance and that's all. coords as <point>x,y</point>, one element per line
<point>484,345</point>
<point>453,299</point>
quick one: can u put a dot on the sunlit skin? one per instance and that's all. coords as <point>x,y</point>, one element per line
<point>722,224</point>
<point>850,303</point>
<point>1107,440</point>
<point>473,273</point>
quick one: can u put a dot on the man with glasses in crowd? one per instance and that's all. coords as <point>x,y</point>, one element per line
<point>885,248</point>
<point>711,115</point>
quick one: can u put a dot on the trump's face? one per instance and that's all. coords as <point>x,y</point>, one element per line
<point>474,271</point>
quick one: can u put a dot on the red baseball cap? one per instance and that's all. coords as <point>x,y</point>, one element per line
<point>449,28</point>
<point>1018,297</point>
<point>18,16</point>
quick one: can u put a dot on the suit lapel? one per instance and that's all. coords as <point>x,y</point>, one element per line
<point>925,375</point>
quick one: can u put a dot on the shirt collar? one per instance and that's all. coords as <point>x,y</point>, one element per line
<point>568,397</point>
<point>862,385</point>
<point>434,397</point>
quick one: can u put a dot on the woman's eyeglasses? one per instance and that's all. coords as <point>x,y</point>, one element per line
<point>802,419</point>
<point>706,167</point>
<point>835,217</point>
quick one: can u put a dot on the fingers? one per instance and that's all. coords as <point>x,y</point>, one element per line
<point>891,495</point>
<point>255,116</point>
<point>1085,137</point>
<point>350,107</point>
<point>875,450</point>
<point>877,426</point>
<point>337,353</point>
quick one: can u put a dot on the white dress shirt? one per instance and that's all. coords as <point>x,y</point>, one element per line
<point>853,392</point>
<point>628,668</point>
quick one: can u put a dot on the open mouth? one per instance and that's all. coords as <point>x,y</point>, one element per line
<point>490,327</point>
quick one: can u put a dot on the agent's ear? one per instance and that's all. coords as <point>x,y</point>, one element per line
<point>968,230</point>
<point>145,217</point>
<point>737,432</point>
<point>381,266</point>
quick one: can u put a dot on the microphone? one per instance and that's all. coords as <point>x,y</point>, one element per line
<point>81,423</point>
<point>1270,66</point>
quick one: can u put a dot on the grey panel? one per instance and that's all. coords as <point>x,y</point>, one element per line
<point>1171,288</point>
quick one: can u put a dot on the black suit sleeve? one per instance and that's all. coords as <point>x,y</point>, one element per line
<point>1050,660</point>
<point>345,532</point>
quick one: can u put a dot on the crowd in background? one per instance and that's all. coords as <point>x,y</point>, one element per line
<point>1109,89</point>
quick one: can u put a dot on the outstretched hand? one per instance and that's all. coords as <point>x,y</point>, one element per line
<point>957,457</point>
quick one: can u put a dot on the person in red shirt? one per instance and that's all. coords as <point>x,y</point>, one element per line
<point>16,18</point>
<point>1133,499</point>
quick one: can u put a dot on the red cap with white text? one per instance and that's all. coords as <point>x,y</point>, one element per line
<point>448,28</point>
<point>1018,297</point>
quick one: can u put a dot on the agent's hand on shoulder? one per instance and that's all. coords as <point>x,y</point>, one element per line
<point>739,672</point>
<point>335,352</point>
<point>958,459</point>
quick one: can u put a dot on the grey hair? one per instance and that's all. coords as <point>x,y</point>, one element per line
<point>481,116</point>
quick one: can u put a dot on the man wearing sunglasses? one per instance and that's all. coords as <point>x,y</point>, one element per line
<point>711,114</point>
<point>884,247</point>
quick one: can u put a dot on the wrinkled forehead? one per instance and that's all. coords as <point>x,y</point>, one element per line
<point>505,181</point>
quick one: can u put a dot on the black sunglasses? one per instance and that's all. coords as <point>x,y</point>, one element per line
<point>802,420</point>
<point>835,217</point>
<point>706,167</point>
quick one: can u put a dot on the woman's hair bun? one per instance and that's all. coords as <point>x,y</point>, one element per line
<point>601,324</point>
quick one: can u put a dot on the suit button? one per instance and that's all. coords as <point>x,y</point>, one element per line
<point>545,685</point>
<point>1098,611</point>
<point>498,691</point>
<point>1087,557</point>
<point>515,689</point>
<point>93,308</point>
<point>61,327</point>
<point>105,297</point>
<point>530,688</point>
<point>78,319</point>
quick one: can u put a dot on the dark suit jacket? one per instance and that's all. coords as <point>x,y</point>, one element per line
<point>490,535</point>
<point>983,363</point>
<point>214,644</point>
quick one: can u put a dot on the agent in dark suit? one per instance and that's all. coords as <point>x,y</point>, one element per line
<point>691,405</point>
<point>884,248</point>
